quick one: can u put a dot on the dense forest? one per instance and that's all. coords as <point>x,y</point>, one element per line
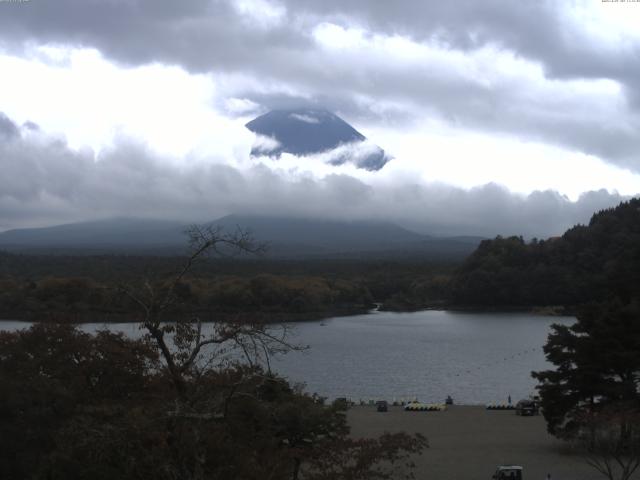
<point>86,288</point>
<point>588,263</point>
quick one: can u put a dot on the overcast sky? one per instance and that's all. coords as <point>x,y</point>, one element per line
<point>501,116</point>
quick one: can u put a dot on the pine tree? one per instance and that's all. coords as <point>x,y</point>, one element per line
<point>597,364</point>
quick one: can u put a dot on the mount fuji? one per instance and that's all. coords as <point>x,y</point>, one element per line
<point>315,131</point>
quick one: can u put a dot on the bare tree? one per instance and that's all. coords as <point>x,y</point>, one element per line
<point>610,441</point>
<point>182,341</point>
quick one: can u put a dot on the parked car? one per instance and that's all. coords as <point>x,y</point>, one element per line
<point>382,406</point>
<point>508,472</point>
<point>526,407</point>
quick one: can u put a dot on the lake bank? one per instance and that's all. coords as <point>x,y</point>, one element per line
<point>205,316</point>
<point>545,310</point>
<point>283,316</point>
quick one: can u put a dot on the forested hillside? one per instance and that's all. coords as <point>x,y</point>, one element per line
<point>588,263</point>
<point>85,288</point>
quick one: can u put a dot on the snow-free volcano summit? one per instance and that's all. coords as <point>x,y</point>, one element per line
<point>314,131</point>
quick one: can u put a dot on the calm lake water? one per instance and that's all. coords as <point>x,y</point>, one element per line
<point>474,357</point>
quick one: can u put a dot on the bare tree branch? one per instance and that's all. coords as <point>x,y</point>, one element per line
<point>255,341</point>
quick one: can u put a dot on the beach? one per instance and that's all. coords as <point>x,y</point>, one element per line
<point>468,442</point>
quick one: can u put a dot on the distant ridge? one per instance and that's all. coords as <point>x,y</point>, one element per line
<point>323,234</point>
<point>286,236</point>
<point>113,232</point>
<point>313,131</point>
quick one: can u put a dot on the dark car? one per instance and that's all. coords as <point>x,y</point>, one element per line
<point>508,472</point>
<point>526,407</point>
<point>382,406</point>
<point>341,402</point>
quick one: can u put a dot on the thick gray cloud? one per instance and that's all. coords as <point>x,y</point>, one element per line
<point>8,129</point>
<point>277,63</point>
<point>199,35</point>
<point>44,182</point>
<point>538,30</point>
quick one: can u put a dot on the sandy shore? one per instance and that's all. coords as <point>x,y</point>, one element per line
<point>467,443</point>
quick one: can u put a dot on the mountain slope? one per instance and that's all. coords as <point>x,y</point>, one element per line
<point>115,232</point>
<point>322,234</point>
<point>313,131</point>
<point>302,237</point>
<point>287,237</point>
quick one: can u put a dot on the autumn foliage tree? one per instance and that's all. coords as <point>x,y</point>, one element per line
<point>51,377</point>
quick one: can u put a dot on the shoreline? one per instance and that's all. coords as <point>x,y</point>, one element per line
<point>206,317</point>
<point>545,310</point>
<point>293,317</point>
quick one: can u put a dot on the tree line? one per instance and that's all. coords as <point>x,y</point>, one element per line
<point>82,299</point>
<point>587,263</point>
<point>77,289</point>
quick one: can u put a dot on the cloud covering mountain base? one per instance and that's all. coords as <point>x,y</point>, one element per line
<point>45,182</point>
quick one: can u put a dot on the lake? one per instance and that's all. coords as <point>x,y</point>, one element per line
<point>474,357</point>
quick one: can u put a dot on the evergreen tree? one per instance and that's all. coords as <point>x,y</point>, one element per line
<point>597,364</point>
